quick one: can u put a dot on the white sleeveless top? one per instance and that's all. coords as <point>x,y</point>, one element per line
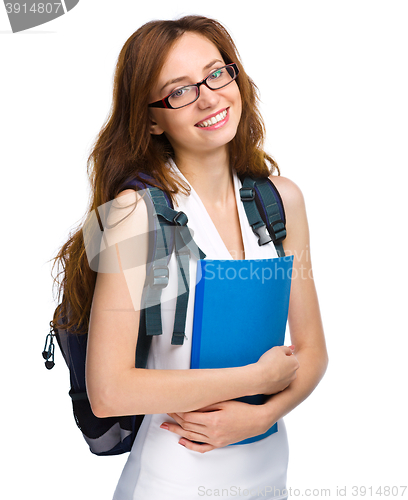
<point>158,468</point>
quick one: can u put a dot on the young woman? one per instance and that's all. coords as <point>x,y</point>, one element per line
<point>172,119</point>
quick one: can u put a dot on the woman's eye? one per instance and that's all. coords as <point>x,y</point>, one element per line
<point>216,74</point>
<point>179,92</point>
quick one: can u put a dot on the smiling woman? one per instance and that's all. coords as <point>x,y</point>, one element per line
<point>217,95</point>
<point>185,114</point>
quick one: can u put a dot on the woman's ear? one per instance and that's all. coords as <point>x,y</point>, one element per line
<point>154,128</point>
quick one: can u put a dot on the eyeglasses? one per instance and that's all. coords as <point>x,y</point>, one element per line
<point>184,96</point>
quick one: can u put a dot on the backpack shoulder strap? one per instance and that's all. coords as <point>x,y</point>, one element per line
<point>175,224</point>
<point>169,231</point>
<point>264,209</point>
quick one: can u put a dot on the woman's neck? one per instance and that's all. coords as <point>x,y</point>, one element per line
<point>210,176</point>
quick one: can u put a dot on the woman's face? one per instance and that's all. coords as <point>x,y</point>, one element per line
<point>192,58</point>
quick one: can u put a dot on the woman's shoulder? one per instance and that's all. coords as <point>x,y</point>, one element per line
<point>127,216</point>
<point>295,212</point>
<point>291,194</point>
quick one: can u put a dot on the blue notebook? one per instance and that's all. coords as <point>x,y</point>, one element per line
<point>240,311</point>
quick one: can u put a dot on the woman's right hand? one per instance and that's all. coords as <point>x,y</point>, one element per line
<point>278,368</point>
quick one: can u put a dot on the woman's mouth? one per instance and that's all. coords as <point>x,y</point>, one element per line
<point>214,121</point>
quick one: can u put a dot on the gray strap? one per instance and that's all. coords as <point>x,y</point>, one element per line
<point>275,225</point>
<point>183,277</point>
<point>274,229</point>
<point>173,233</point>
<point>258,226</point>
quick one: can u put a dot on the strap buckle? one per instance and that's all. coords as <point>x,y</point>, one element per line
<point>159,277</point>
<point>180,219</point>
<point>279,230</point>
<point>247,194</point>
<point>263,234</point>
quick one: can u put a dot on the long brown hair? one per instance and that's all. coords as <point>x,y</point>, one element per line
<point>125,148</point>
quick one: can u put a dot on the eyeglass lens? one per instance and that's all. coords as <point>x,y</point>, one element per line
<point>217,79</point>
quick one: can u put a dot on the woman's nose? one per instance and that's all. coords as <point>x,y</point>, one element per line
<point>208,97</point>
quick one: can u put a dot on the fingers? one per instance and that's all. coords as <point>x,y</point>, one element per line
<point>187,435</point>
<point>193,428</point>
<point>183,421</point>
<point>188,430</point>
<point>186,419</point>
<point>200,417</point>
<point>288,350</point>
<point>200,448</point>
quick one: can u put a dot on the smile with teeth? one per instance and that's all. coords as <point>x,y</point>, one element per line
<point>213,120</point>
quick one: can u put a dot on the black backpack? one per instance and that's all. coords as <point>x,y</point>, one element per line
<point>265,212</point>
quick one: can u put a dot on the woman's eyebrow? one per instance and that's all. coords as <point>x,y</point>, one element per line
<point>181,78</point>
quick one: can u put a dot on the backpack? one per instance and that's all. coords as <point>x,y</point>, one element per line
<point>168,229</point>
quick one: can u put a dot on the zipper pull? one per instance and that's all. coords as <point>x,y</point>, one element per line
<point>49,348</point>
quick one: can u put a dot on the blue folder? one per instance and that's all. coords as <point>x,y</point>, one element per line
<point>240,311</point>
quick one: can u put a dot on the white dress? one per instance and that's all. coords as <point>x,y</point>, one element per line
<point>158,468</point>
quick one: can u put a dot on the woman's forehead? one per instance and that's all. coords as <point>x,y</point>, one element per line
<point>190,54</point>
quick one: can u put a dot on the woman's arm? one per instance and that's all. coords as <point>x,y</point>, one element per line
<point>231,421</point>
<point>114,385</point>
<point>306,329</point>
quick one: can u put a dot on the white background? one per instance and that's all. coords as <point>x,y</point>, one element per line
<point>333,82</point>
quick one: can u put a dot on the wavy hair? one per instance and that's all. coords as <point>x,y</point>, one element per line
<point>124,148</point>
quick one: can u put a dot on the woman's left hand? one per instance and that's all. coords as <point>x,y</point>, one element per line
<point>218,425</point>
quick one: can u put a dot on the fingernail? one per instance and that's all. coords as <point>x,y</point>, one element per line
<point>292,347</point>
<point>182,444</point>
<point>164,426</point>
